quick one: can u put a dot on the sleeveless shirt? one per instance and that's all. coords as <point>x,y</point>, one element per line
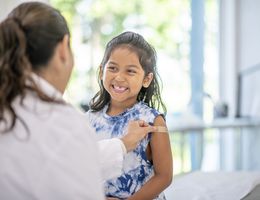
<point>137,169</point>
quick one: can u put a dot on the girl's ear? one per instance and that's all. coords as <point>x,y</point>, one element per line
<point>147,80</point>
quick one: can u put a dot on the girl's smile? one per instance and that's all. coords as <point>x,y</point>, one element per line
<point>119,89</point>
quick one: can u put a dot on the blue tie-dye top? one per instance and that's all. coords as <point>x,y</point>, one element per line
<point>137,169</point>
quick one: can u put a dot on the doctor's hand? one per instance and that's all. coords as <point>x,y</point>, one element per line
<point>136,131</point>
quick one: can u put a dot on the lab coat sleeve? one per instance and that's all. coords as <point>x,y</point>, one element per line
<point>111,157</point>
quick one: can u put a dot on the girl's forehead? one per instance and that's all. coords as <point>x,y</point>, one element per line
<point>124,50</point>
<point>124,57</point>
<point>124,54</point>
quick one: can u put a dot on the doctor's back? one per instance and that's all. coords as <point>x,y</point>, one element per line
<point>49,156</point>
<point>47,151</point>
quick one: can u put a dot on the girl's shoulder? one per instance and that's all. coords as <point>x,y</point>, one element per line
<point>146,110</point>
<point>93,115</point>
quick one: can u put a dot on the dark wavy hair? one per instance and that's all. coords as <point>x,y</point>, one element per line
<point>147,58</point>
<point>28,37</point>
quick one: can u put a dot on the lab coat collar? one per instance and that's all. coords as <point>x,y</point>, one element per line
<point>46,87</point>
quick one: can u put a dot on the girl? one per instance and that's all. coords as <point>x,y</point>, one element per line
<point>129,90</point>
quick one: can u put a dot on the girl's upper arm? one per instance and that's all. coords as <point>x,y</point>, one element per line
<point>161,150</point>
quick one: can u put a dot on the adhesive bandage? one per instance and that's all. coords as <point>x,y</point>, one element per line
<point>162,129</point>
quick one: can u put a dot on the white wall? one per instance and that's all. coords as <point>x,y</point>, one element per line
<point>228,53</point>
<point>239,45</point>
<point>249,33</point>
<point>249,55</point>
<point>240,50</point>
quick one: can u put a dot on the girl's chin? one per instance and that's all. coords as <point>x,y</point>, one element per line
<point>123,101</point>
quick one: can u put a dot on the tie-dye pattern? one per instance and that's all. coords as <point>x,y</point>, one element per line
<point>137,169</point>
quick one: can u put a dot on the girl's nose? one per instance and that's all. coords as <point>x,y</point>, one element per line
<point>119,77</point>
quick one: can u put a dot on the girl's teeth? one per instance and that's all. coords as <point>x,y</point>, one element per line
<point>119,88</point>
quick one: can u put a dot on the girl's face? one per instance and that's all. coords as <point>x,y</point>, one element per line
<point>123,77</point>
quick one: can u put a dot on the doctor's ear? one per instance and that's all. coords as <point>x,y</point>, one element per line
<point>147,80</point>
<point>64,50</point>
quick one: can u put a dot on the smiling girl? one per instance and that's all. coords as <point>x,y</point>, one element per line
<point>129,90</point>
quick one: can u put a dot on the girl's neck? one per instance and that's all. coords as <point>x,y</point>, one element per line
<point>116,108</point>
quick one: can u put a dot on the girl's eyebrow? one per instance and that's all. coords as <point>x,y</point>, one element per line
<point>112,62</point>
<point>133,66</point>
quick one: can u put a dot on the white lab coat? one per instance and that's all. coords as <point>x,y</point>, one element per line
<point>58,158</point>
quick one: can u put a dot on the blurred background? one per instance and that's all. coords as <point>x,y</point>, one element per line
<point>208,60</point>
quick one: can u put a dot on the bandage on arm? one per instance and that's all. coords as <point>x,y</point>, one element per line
<point>162,129</point>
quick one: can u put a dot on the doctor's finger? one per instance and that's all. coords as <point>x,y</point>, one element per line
<point>149,129</point>
<point>142,123</point>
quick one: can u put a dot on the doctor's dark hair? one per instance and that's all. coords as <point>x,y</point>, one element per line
<point>28,38</point>
<point>134,42</point>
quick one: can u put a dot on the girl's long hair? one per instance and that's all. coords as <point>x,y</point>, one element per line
<point>147,58</point>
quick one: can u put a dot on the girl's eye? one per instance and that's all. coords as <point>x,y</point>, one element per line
<point>111,68</point>
<point>131,72</point>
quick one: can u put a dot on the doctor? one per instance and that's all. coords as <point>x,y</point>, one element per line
<point>47,150</point>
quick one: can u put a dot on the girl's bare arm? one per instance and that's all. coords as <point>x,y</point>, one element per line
<point>163,165</point>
